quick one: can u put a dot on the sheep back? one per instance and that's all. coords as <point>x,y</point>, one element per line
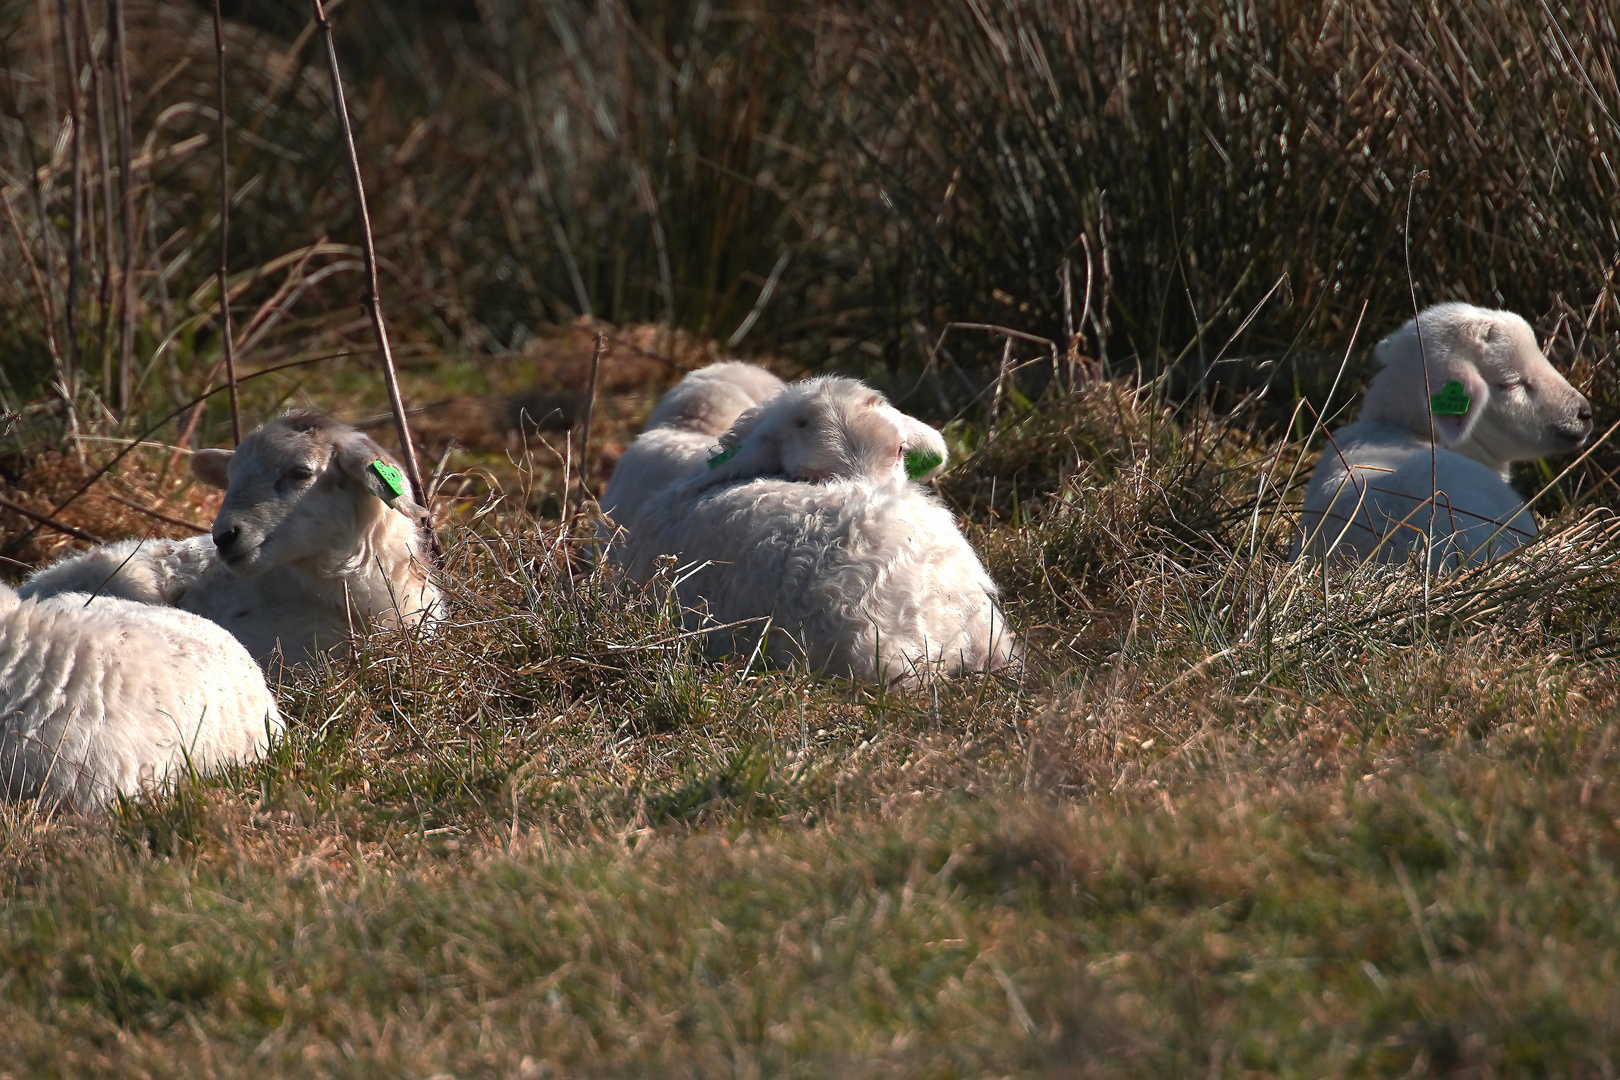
<point>114,695</point>
<point>150,571</point>
<point>872,581</point>
<point>681,432</point>
<point>1370,499</point>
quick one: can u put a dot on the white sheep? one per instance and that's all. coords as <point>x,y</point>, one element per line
<point>679,439</point>
<point>1425,466</point>
<point>101,695</point>
<point>808,521</point>
<point>315,539</point>
<point>681,432</point>
<point>827,428</point>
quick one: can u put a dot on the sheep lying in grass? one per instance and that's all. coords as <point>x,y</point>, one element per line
<point>680,435</point>
<point>315,538</point>
<point>681,432</point>
<point>1425,466</point>
<point>106,695</point>
<point>807,519</point>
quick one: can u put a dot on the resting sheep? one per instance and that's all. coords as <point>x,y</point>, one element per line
<point>681,431</point>
<point>106,695</point>
<point>314,539</point>
<point>1425,467</point>
<point>807,519</point>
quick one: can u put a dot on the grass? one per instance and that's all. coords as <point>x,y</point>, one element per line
<point>1239,816</point>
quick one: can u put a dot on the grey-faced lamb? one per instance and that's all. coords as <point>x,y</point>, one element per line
<point>315,540</point>
<point>102,695</point>
<point>1425,466</point>
<point>808,520</point>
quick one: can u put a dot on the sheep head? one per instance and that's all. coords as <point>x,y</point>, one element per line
<point>709,399</point>
<point>1490,393</point>
<point>299,490</point>
<point>825,429</point>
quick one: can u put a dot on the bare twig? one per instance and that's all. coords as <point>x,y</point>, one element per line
<point>150,431</point>
<point>154,513</point>
<point>76,228</point>
<point>371,301</point>
<point>126,189</point>
<point>225,236</point>
<point>590,407</point>
<point>48,521</point>
<point>97,60</point>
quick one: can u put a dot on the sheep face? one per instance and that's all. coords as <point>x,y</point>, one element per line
<point>824,429</point>
<point>297,489</point>
<point>1518,407</point>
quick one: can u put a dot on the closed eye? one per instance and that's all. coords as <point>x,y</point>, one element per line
<point>298,474</point>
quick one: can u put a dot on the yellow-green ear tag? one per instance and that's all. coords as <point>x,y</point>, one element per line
<point>392,480</point>
<point>1450,401</point>
<point>920,463</point>
<point>722,457</point>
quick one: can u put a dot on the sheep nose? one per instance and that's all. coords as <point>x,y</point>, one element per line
<point>225,539</point>
<point>1584,412</point>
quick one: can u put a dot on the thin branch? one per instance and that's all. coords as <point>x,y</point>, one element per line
<point>48,521</point>
<point>371,301</point>
<point>98,59</point>
<point>590,407</point>
<point>76,229</point>
<point>149,432</point>
<point>225,236</point>
<point>126,188</point>
<point>153,513</point>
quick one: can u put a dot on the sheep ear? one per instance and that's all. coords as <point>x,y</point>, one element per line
<point>1456,405</point>
<point>367,465</point>
<point>760,454</point>
<point>212,467</point>
<point>923,446</point>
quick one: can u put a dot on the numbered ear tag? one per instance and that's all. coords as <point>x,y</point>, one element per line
<point>1450,401</point>
<point>920,463</point>
<point>722,457</point>
<point>393,480</point>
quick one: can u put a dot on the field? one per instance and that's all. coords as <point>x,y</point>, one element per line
<point>1238,817</point>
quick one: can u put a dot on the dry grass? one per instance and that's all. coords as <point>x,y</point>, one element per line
<point>1238,816</point>
<point>1372,834</point>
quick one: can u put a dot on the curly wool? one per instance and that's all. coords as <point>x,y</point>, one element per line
<point>681,433</point>
<point>106,695</point>
<point>870,580</point>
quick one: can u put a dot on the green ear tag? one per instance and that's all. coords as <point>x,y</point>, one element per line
<point>920,463</point>
<point>392,480</point>
<point>722,457</point>
<point>1450,401</point>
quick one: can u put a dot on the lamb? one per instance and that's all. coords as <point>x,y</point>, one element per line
<point>681,431</point>
<point>101,695</point>
<point>808,530</point>
<point>315,538</point>
<point>680,435</point>
<point>1425,467</point>
<point>825,428</point>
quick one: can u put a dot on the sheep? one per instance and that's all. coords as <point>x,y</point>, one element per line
<point>100,695</point>
<point>1462,393</point>
<point>808,530</point>
<point>826,428</point>
<point>679,438</point>
<point>314,539</point>
<point>681,431</point>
